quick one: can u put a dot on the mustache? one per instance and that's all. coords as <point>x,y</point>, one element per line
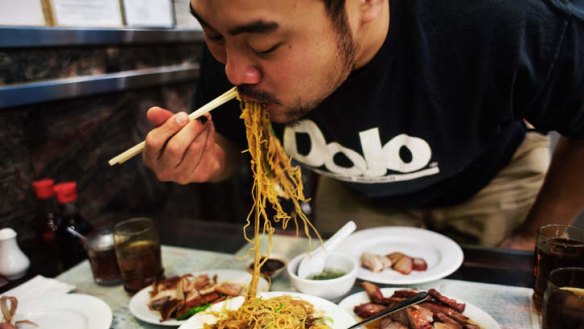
<point>256,95</point>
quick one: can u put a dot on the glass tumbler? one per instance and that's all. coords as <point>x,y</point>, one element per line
<point>557,246</point>
<point>102,257</point>
<point>137,249</point>
<point>563,305</point>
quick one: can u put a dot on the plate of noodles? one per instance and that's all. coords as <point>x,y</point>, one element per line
<point>141,303</point>
<point>441,254</point>
<point>287,308</point>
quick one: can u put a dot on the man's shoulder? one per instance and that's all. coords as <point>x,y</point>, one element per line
<point>492,13</point>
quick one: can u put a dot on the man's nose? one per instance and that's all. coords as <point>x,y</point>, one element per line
<point>241,71</point>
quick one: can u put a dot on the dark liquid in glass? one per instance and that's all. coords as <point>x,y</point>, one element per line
<point>565,309</point>
<point>104,266</point>
<point>140,265</point>
<point>551,254</point>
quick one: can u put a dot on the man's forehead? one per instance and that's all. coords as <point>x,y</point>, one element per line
<point>251,25</point>
<point>235,12</point>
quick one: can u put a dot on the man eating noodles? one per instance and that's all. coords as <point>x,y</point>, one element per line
<point>412,112</point>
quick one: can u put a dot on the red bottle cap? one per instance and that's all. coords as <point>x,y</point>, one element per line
<point>66,192</point>
<point>44,188</point>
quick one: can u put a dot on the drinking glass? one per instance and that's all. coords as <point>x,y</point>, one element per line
<point>102,257</point>
<point>563,303</point>
<point>137,249</point>
<point>557,246</point>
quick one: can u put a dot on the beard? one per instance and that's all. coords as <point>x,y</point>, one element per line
<point>338,73</point>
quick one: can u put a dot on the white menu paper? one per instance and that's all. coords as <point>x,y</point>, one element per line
<point>22,12</point>
<point>149,13</point>
<point>84,13</point>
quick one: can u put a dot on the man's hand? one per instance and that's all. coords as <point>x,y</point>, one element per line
<point>519,242</point>
<point>181,150</point>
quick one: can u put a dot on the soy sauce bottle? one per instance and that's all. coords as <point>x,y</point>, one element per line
<point>48,217</point>
<point>48,220</point>
<point>72,222</point>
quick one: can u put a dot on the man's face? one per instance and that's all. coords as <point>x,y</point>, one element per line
<point>285,53</point>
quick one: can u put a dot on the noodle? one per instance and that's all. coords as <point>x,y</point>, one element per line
<point>274,177</point>
<point>277,312</point>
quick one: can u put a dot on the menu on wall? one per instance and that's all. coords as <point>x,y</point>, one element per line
<point>183,17</point>
<point>148,13</point>
<point>22,12</point>
<point>84,13</point>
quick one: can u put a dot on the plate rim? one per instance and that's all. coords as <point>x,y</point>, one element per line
<point>311,298</point>
<point>136,301</point>
<point>73,302</point>
<point>389,290</point>
<point>455,255</point>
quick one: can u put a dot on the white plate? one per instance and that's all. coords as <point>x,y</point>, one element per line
<point>335,317</point>
<point>139,302</point>
<point>442,254</point>
<point>68,311</point>
<point>478,316</point>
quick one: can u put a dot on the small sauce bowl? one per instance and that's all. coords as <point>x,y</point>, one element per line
<point>273,267</point>
<point>332,289</point>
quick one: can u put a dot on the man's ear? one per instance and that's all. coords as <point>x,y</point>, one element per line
<point>371,9</point>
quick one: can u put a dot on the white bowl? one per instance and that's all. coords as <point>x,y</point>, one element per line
<point>331,289</point>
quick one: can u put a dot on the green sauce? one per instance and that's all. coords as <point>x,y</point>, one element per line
<point>327,274</point>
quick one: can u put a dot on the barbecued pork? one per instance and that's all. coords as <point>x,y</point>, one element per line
<point>397,261</point>
<point>438,312</point>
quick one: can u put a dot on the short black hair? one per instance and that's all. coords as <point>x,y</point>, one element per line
<point>336,11</point>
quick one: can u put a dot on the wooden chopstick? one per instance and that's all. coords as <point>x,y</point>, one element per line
<point>138,148</point>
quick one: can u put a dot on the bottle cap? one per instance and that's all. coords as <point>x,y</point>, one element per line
<point>44,188</point>
<point>66,192</point>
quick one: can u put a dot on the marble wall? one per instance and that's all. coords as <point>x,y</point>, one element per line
<point>73,139</point>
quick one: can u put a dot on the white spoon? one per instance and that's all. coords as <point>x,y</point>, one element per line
<point>313,262</point>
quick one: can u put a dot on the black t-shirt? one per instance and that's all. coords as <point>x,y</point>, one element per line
<point>439,110</point>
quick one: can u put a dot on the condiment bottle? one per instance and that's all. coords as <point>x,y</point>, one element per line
<point>47,226</point>
<point>13,262</point>
<point>48,219</point>
<point>72,220</point>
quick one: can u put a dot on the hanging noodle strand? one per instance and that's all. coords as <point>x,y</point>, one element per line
<point>275,178</point>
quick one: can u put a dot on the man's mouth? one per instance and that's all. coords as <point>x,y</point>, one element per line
<point>251,99</point>
<point>252,95</point>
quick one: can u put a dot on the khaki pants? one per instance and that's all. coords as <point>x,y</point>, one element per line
<point>486,219</point>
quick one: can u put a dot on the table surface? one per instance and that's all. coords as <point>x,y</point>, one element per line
<point>489,265</point>
<point>486,275</point>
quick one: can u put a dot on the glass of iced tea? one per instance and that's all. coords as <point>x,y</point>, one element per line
<point>557,246</point>
<point>137,249</point>
<point>563,304</point>
<point>102,257</point>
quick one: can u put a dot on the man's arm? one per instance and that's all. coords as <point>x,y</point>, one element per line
<point>561,198</point>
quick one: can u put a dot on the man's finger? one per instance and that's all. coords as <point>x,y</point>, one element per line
<point>157,115</point>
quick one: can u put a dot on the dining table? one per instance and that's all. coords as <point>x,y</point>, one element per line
<point>495,280</point>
